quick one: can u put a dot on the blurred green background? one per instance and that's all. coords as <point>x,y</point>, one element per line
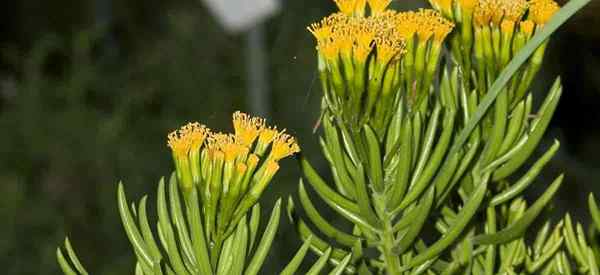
<point>90,88</point>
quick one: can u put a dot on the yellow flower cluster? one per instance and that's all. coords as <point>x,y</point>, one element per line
<point>189,137</point>
<point>360,57</point>
<point>243,149</point>
<point>384,33</point>
<point>227,168</point>
<point>495,11</point>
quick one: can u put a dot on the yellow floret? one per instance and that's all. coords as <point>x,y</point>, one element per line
<point>378,6</point>
<point>189,137</point>
<point>246,128</point>
<point>283,146</point>
<point>540,11</point>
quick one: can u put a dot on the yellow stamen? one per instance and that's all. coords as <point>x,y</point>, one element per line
<point>227,144</point>
<point>540,11</point>
<point>441,29</point>
<point>513,9</point>
<point>426,21</point>
<point>246,128</point>
<point>189,137</point>
<point>323,29</point>
<point>406,24</point>
<point>484,11</point>
<point>345,41</point>
<point>320,32</point>
<point>364,37</point>
<point>267,135</point>
<point>387,49</point>
<point>378,6</point>
<point>283,146</point>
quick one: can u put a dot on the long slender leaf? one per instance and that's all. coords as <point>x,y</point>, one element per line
<point>517,229</point>
<point>74,258</point>
<point>64,265</point>
<point>320,222</point>
<point>265,242</point>
<point>130,228</point>
<point>463,218</point>
<point>320,264</point>
<point>294,264</point>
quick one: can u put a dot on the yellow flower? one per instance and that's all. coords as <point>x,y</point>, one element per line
<point>246,128</point>
<point>540,11</point>
<point>527,27</point>
<point>364,33</point>
<point>226,143</point>
<point>428,22</point>
<point>378,6</point>
<point>441,28</point>
<point>484,11</point>
<point>189,137</point>
<point>507,26</point>
<point>387,48</point>
<point>406,24</point>
<point>468,5</point>
<point>351,7</point>
<point>267,135</point>
<point>513,9</point>
<point>283,146</point>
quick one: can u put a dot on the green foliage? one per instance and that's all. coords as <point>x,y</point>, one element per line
<point>429,175</point>
<point>431,187</point>
<point>177,245</point>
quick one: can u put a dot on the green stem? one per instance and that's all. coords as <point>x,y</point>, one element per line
<point>215,251</point>
<point>392,261</point>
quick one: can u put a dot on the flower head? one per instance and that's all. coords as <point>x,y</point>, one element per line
<point>189,137</point>
<point>441,28</point>
<point>513,9</point>
<point>364,34</point>
<point>484,11</point>
<point>267,135</point>
<point>407,24</point>
<point>540,11</point>
<point>387,48</point>
<point>246,128</point>
<point>283,146</point>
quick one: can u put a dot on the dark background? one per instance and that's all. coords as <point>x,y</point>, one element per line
<point>90,88</point>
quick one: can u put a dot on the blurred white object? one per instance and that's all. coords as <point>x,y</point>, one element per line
<point>242,15</point>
